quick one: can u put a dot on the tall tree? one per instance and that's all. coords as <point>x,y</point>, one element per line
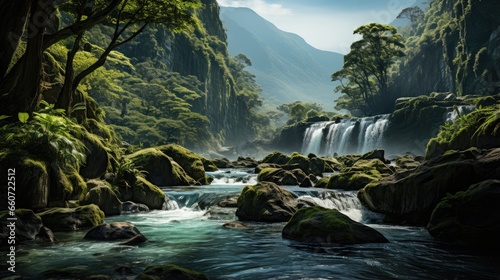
<point>20,88</point>
<point>414,14</point>
<point>364,78</point>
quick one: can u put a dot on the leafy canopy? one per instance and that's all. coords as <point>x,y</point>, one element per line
<point>364,78</point>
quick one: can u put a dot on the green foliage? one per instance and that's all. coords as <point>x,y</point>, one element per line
<point>364,79</point>
<point>47,135</point>
<point>477,129</point>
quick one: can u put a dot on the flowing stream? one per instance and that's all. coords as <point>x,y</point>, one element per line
<point>192,236</point>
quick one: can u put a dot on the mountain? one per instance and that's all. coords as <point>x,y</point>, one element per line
<point>286,67</point>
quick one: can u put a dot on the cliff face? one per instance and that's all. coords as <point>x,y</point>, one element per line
<point>204,55</point>
<point>455,48</point>
<point>196,67</point>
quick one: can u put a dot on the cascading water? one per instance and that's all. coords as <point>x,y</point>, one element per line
<point>313,137</point>
<point>344,137</point>
<point>193,236</point>
<point>453,114</point>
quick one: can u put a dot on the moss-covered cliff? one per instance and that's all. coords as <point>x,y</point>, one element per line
<point>196,87</point>
<point>455,48</point>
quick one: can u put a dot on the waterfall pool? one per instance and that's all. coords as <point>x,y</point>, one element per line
<point>193,237</point>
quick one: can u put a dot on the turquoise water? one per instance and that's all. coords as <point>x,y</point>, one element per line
<point>192,237</point>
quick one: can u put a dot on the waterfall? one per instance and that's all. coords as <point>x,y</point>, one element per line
<point>313,137</point>
<point>452,114</point>
<point>347,136</point>
<point>373,135</point>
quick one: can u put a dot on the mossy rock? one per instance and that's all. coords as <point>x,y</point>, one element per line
<point>276,158</point>
<point>148,194</point>
<point>480,129</point>
<point>328,227</point>
<point>280,176</point>
<point>265,202</point>
<point>353,180</point>
<point>367,166</point>
<point>193,164</point>
<point>317,166</point>
<point>411,196</point>
<point>98,159</point>
<point>161,169</point>
<point>407,162</point>
<point>28,225</point>
<point>32,188</point>
<point>322,183</point>
<point>105,198</point>
<point>69,219</point>
<point>170,271</point>
<point>332,165</point>
<point>376,154</point>
<point>209,165</point>
<point>348,160</point>
<point>466,218</point>
<point>300,160</point>
<point>61,187</point>
<point>78,184</point>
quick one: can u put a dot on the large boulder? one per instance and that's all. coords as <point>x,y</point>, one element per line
<point>328,227</point>
<point>469,218</point>
<point>32,188</point>
<point>148,194</point>
<point>113,231</point>
<point>278,176</point>
<point>27,227</point>
<point>369,168</point>
<point>266,202</point>
<point>193,164</point>
<point>412,196</point>
<point>170,271</point>
<point>97,158</point>
<point>104,197</point>
<point>161,169</point>
<point>69,219</point>
<point>276,158</point>
<point>300,161</point>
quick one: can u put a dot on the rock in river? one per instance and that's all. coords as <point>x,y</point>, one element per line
<point>328,227</point>
<point>266,202</point>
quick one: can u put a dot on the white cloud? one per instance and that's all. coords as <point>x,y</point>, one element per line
<point>259,6</point>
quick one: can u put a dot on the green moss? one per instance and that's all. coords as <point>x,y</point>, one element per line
<point>148,194</point>
<point>265,173</point>
<point>78,183</point>
<point>35,163</point>
<point>188,160</point>
<point>315,224</point>
<point>276,157</point>
<point>300,160</point>
<point>68,219</point>
<point>480,128</point>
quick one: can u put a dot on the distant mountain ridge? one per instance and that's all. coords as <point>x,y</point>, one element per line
<point>286,67</point>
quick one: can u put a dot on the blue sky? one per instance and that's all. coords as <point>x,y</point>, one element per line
<point>324,24</point>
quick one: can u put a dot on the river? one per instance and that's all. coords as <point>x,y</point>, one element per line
<point>193,237</point>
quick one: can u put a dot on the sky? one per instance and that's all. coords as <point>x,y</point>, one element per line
<point>324,24</point>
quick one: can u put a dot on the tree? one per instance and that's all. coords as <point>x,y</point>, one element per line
<point>21,87</point>
<point>414,14</point>
<point>364,78</point>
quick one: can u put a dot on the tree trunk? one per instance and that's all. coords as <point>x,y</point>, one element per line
<point>13,17</point>
<point>20,88</point>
